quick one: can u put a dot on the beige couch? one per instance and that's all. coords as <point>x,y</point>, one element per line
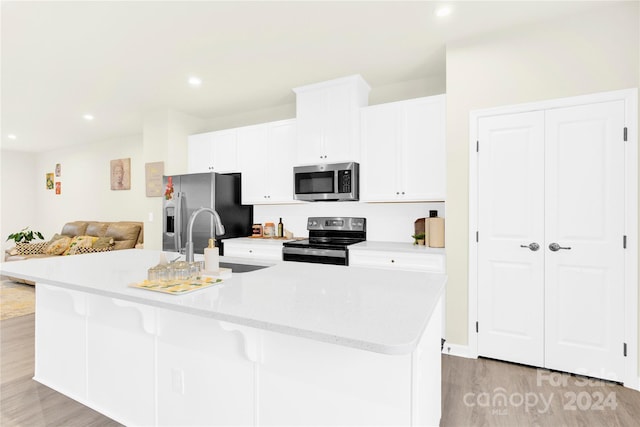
<point>104,235</point>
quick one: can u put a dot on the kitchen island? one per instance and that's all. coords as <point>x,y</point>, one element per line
<point>291,344</point>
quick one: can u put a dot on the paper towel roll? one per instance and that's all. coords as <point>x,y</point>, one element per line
<point>436,232</point>
<point>211,259</point>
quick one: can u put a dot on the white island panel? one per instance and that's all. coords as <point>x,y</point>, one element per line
<point>292,344</point>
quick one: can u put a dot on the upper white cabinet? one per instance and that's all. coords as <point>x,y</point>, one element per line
<point>328,120</point>
<point>267,156</point>
<point>213,152</point>
<point>403,151</point>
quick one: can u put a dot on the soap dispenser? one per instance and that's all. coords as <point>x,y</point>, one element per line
<point>211,257</point>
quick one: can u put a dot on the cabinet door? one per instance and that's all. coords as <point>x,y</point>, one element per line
<point>423,165</point>
<point>121,354</point>
<point>281,155</point>
<point>340,136</point>
<point>311,115</point>
<point>200,153</point>
<point>61,357</point>
<point>204,376</point>
<point>252,148</point>
<point>379,171</point>
<point>225,151</point>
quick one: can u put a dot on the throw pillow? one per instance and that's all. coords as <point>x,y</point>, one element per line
<point>81,250</point>
<point>31,248</point>
<point>56,237</point>
<point>103,242</point>
<point>58,246</point>
<point>79,242</point>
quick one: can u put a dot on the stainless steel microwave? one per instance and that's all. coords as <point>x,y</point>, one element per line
<point>326,182</point>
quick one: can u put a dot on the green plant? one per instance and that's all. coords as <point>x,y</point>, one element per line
<point>25,236</point>
<point>419,236</point>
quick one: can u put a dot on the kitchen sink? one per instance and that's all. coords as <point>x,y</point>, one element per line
<point>241,268</point>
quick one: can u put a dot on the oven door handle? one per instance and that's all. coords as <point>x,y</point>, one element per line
<point>342,253</point>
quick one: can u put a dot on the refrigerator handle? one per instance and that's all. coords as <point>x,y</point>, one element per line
<point>177,235</point>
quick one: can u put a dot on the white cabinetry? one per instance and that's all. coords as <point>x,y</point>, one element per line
<point>121,333</point>
<point>397,256</point>
<point>204,377</point>
<point>403,151</point>
<point>328,120</point>
<point>247,247</point>
<point>61,340</point>
<point>267,156</point>
<point>213,152</point>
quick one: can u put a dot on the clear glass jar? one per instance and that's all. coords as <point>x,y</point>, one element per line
<point>181,270</point>
<point>269,229</point>
<point>157,273</point>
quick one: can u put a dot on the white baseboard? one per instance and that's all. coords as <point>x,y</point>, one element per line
<point>459,350</point>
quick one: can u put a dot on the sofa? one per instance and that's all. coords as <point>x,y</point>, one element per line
<point>80,237</point>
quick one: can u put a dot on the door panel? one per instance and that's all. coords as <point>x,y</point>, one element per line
<point>584,285</point>
<point>511,213</point>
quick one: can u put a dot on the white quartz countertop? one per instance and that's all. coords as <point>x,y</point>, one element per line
<point>370,309</point>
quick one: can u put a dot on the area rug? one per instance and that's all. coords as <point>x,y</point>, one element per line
<point>16,299</point>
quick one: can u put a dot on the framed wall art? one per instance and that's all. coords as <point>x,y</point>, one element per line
<point>121,174</point>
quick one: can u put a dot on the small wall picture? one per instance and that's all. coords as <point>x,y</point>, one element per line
<point>50,181</point>
<point>121,174</point>
<point>58,187</point>
<point>58,169</point>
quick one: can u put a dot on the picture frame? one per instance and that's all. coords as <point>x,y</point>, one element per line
<point>121,174</point>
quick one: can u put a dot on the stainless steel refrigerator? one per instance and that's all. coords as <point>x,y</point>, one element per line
<point>185,193</point>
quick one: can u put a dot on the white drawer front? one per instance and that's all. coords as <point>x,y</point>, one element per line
<point>259,252</point>
<point>433,263</point>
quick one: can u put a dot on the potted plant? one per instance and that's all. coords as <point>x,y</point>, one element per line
<point>25,236</point>
<point>418,238</point>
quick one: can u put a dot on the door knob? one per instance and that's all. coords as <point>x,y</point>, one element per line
<point>555,247</point>
<point>533,246</point>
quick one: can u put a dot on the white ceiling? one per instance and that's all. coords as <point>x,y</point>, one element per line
<point>119,59</point>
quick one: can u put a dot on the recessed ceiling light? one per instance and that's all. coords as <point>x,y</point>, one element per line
<point>443,11</point>
<point>88,117</point>
<point>195,81</point>
<point>11,136</point>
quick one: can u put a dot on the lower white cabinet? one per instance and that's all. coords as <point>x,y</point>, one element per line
<point>297,387</point>
<point>247,247</point>
<point>398,256</point>
<point>204,377</point>
<point>150,366</point>
<point>61,340</point>
<point>120,359</point>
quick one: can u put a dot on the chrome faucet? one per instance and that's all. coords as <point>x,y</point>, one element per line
<point>218,229</point>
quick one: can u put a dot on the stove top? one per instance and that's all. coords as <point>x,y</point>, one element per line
<point>329,238</point>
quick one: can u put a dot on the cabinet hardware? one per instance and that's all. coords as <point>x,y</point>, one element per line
<point>533,246</point>
<point>624,134</point>
<point>555,247</point>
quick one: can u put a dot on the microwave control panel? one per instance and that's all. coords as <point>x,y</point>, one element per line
<point>344,181</point>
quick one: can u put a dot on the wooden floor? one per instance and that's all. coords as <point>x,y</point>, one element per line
<point>474,393</point>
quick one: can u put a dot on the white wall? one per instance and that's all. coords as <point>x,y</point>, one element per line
<point>570,56</point>
<point>19,178</point>
<point>389,222</point>
<point>86,188</point>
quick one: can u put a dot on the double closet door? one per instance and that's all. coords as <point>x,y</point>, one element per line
<point>551,238</point>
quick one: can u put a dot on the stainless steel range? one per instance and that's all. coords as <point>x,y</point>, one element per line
<point>328,242</point>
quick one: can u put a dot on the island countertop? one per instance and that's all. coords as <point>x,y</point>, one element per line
<point>370,309</point>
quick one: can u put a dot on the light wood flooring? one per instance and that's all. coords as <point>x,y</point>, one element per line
<point>474,393</point>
